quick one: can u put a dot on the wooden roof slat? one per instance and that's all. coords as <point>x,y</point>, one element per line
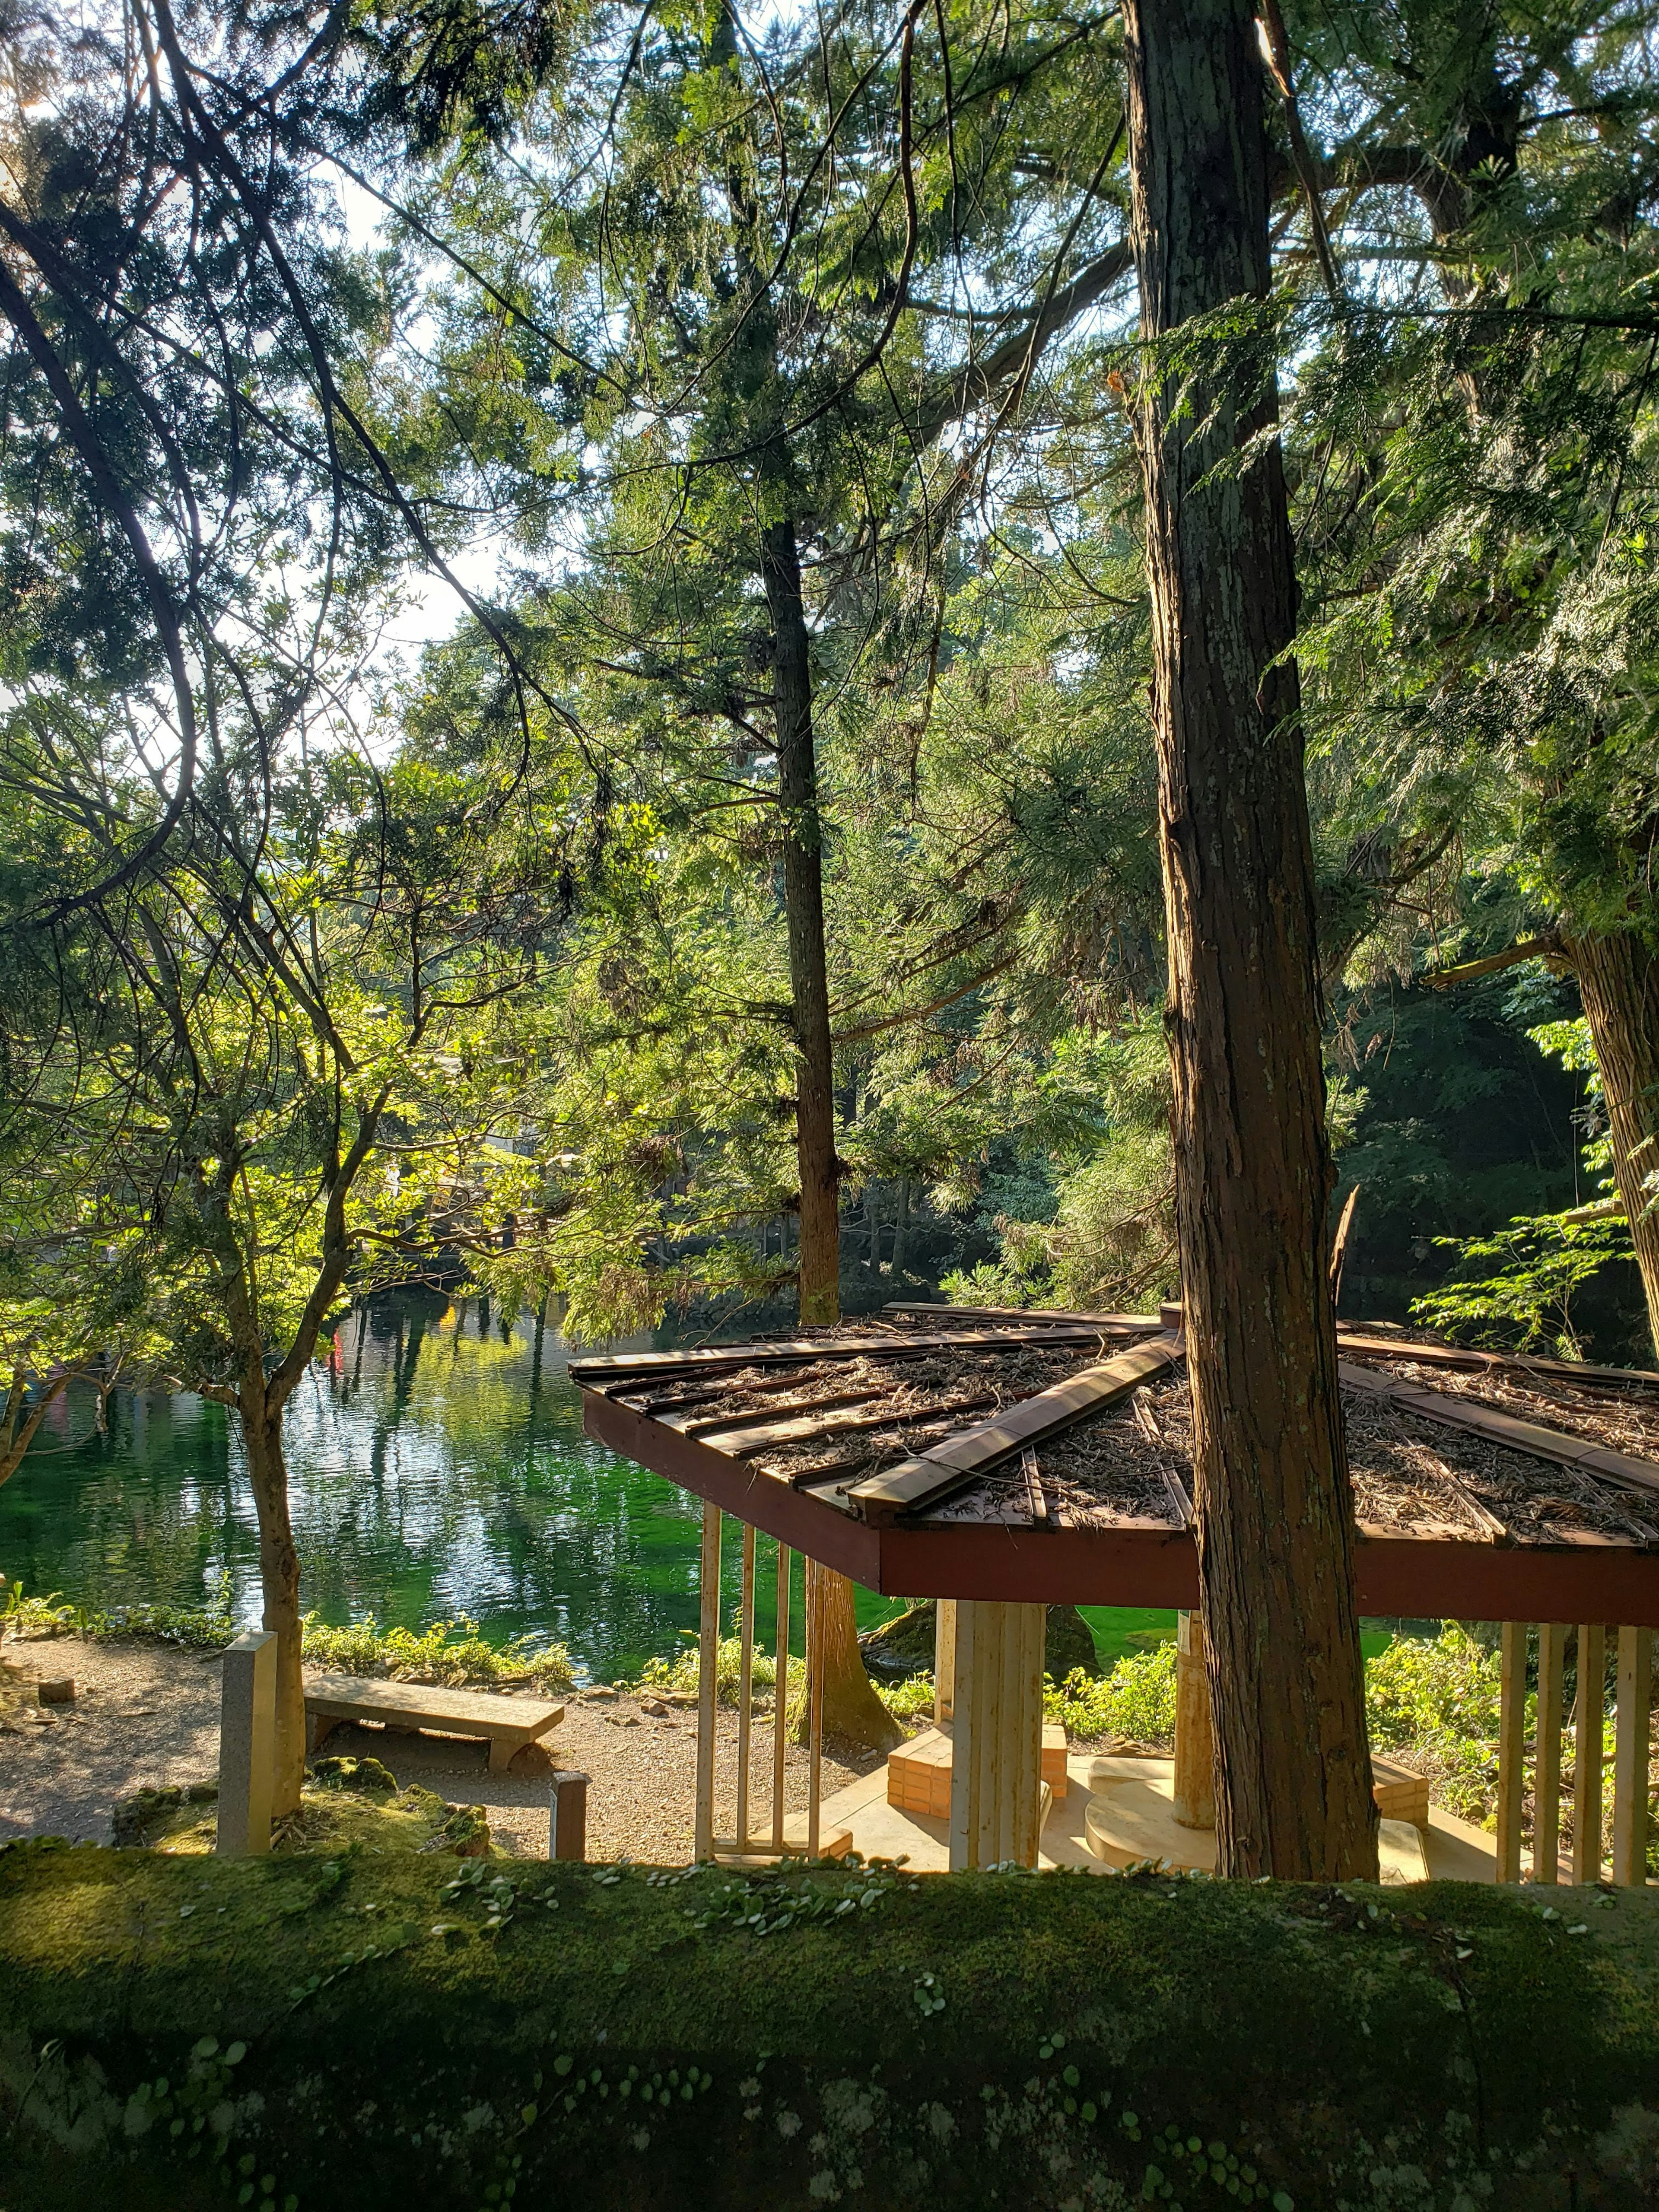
<point>692,1423</point>
<point>725,1359</point>
<point>807,1428</point>
<point>1352,1339</point>
<point>1504,1429</point>
<point>925,1479</point>
<point>1027,1314</point>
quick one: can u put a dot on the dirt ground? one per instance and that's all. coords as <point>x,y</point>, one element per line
<point>146,1714</point>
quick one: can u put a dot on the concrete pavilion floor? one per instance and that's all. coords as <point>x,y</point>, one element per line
<point>1452,1850</point>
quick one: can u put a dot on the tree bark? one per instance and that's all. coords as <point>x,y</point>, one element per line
<point>279,1577</point>
<point>1618,982</point>
<point>1275,1521</point>
<point>819,1251</point>
<point>852,1711</point>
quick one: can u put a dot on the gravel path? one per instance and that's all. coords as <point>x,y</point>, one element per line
<point>146,1714</point>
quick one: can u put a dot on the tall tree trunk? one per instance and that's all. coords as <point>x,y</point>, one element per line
<point>1618,982</point>
<point>1275,1515</point>
<point>819,1254</point>
<point>279,1577</point>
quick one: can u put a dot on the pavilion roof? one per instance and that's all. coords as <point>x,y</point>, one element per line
<point>977,1453</point>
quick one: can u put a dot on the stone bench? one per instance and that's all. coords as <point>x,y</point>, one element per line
<point>507,1724</point>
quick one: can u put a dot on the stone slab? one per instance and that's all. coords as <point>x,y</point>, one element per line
<point>507,1724</point>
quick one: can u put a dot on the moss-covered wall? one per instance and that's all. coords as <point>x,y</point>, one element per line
<point>356,2033</point>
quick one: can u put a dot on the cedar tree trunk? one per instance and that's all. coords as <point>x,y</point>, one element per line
<point>819,1254</point>
<point>851,1708</point>
<point>1618,982</point>
<point>852,1711</point>
<point>1275,1517</point>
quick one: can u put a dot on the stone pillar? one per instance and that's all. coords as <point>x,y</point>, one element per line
<point>247,1745</point>
<point>1195,1745</point>
<point>996,1767</point>
<point>566,1816</point>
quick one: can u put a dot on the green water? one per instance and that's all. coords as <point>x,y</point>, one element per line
<point>437,1467</point>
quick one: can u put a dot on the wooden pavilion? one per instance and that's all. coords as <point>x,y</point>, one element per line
<point>1007,1461</point>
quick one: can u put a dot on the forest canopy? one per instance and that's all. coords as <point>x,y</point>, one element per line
<point>743,413</point>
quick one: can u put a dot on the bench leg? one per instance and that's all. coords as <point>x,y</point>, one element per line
<point>502,1748</point>
<point>318,1731</point>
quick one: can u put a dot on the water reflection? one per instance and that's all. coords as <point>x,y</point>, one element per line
<point>437,1467</point>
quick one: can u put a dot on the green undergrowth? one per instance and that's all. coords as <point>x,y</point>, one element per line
<point>452,1653</point>
<point>308,2033</point>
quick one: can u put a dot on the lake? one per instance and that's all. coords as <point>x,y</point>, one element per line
<point>437,1467</point>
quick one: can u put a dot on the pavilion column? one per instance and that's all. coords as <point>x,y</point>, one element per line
<point>996,1769</point>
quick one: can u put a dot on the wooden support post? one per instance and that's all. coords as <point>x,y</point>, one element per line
<point>1195,1743</point>
<point>1631,1717</point>
<point>997,1733</point>
<point>247,1745</point>
<point>1547,1757</point>
<point>1588,1723</point>
<point>745,1678</point>
<point>566,1811</point>
<point>945,1658</point>
<point>781,1698</point>
<point>814,1702</point>
<point>708,1591</point>
<point>1511,1749</point>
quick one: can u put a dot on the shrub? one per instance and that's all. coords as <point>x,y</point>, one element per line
<point>679,1673</point>
<point>451,1652</point>
<point>1417,1692</point>
<point>1136,1701</point>
<point>910,1700</point>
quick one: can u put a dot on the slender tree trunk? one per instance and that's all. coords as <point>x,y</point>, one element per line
<point>1618,982</point>
<point>279,1577</point>
<point>819,1255</point>
<point>901,1226</point>
<point>1253,1170</point>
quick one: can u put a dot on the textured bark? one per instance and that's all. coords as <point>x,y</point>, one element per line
<point>819,1254</point>
<point>1618,982</point>
<point>852,1711</point>
<point>1275,1529</point>
<point>279,1577</point>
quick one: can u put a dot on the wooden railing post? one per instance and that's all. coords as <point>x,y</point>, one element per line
<point>781,1698</point>
<point>1588,1724</point>
<point>814,1702</point>
<point>945,1658</point>
<point>1511,1748</point>
<point>745,1678</point>
<point>1546,1763</point>
<point>708,1591</point>
<point>1632,1718</point>
<point>1195,1739</point>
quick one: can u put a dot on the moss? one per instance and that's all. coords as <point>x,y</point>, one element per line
<point>405,2029</point>
<point>355,1804</point>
